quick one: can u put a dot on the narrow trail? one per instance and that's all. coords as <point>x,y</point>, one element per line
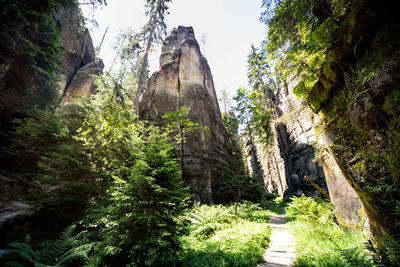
<point>281,250</point>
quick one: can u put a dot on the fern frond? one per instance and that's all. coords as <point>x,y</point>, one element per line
<point>13,264</point>
<point>25,251</point>
<point>58,247</point>
<point>355,257</point>
<point>74,253</point>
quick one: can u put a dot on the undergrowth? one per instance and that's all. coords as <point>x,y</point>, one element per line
<point>319,240</point>
<point>218,237</point>
<point>67,250</point>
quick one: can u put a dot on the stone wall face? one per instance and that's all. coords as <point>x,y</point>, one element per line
<point>297,151</point>
<point>285,163</point>
<point>185,81</point>
<point>78,62</point>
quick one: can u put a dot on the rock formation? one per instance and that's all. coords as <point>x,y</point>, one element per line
<point>298,151</point>
<point>19,88</point>
<point>185,81</point>
<point>357,97</point>
<point>78,62</point>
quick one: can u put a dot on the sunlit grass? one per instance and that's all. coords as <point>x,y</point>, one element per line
<point>319,240</point>
<point>218,237</point>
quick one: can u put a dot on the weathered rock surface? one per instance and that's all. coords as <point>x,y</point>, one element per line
<point>348,207</point>
<point>185,81</point>
<point>12,210</point>
<point>297,151</point>
<point>358,98</point>
<point>291,156</point>
<point>78,61</point>
<point>82,82</point>
<point>77,64</point>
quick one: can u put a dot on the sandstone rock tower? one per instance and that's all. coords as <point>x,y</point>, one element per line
<point>185,80</point>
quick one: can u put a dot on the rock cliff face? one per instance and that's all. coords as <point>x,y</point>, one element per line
<point>298,151</point>
<point>357,97</point>
<point>21,88</point>
<point>185,81</point>
<point>78,61</point>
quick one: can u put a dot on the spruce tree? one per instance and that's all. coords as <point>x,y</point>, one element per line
<point>152,31</point>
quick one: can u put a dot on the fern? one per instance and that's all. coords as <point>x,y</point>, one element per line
<point>59,252</point>
<point>205,220</point>
<point>310,210</point>
<point>19,254</point>
<point>387,252</point>
<point>393,245</point>
<point>354,257</point>
<point>74,253</point>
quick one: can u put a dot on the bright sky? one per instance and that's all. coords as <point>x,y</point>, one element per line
<point>230,27</point>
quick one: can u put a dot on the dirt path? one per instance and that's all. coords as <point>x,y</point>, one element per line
<point>281,250</point>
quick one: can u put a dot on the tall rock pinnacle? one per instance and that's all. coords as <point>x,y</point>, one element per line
<point>185,81</point>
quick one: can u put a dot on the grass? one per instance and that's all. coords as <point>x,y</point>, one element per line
<point>219,237</point>
<point>275,206</point>
<point>319,240</point>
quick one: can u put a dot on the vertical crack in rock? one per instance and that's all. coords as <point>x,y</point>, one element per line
<point>179,123</point>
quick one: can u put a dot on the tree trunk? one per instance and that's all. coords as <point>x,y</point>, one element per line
<point>140,88</point>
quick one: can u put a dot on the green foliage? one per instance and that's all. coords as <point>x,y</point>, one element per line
<point>299,34</point>
<point>243,105</point>
<point>231,124</point>
<point>138,218</point>
<point>244,110</point>
<point>387,253</point>
<point>146,204</point>
<point>319,240</point>
<point>252,112</point>
<point>31,44</point>
<point>176,120</point>
<point>33,136</point>
<point>67,250</point>
<point>43,151</point>
<point>276,205</point>
<point>235,187</point>
<point>392,108</point>
<point>226,240</point>
<point>310,210</point>
<point>29,50</point>
<point>261,118</point>
<point>258,68</point>
<point>206,220</point>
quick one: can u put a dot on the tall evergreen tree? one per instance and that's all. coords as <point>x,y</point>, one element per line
<point>152,31</point>
<point>225,100</point>
<point>243,110</point>
<point>262,95</point>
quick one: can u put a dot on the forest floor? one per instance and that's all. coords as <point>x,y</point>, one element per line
<point>281,250</point>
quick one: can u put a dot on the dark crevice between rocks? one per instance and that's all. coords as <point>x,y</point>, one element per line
<point>179,124</point>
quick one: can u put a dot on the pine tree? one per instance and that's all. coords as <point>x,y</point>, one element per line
<point>145,206</point>
<point>152,32</point>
